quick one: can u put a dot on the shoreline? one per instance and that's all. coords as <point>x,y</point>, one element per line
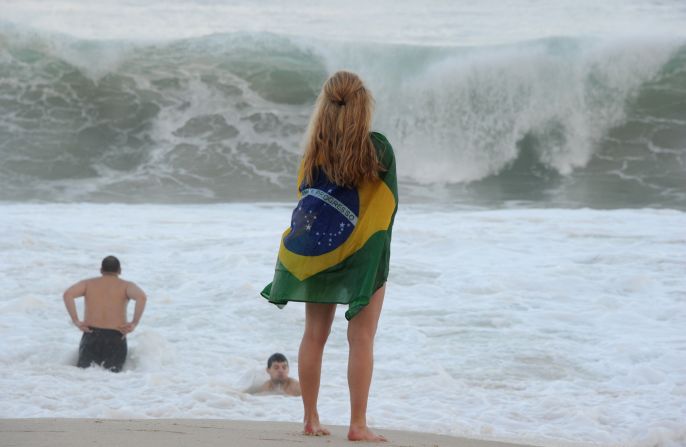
<point>80,432</point>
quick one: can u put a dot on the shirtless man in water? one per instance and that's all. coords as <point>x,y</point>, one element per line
<point>279,382</point>
<point>104,325</point>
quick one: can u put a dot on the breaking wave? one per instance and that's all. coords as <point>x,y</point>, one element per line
<point>222,117</point>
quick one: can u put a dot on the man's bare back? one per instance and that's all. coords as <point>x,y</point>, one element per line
<point>106,299</point>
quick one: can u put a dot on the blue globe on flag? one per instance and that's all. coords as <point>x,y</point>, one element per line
<point>323,220</point>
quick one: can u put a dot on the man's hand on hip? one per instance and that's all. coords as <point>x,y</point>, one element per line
<point>127,328</point>
<point>83,327</point>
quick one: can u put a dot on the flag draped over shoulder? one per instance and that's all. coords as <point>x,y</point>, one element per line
<point>337,248</point>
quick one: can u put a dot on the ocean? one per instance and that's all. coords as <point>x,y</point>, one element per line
<point>537,288</point>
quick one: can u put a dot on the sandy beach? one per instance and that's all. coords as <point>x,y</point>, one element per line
<point>209,433</point>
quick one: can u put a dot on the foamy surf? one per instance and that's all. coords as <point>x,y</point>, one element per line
<point>512,324</point>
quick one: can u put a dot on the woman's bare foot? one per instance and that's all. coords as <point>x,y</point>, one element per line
<point>364,434</point>
<point>314,428</point>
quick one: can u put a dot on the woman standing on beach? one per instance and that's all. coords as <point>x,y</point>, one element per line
<point>337,248</point>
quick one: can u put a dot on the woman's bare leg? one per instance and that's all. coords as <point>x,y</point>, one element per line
<point>361,332</point>
<point>318,320</point>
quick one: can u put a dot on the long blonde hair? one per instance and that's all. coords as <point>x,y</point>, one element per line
<point>338,141</point>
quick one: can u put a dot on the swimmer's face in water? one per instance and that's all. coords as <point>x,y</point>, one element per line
<point>278,372</point>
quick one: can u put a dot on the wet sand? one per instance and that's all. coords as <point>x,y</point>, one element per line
<point>201,432</point>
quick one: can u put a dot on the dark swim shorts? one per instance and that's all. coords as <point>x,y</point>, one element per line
<point>104,347</point>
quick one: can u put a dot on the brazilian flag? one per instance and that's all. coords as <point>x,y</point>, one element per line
<point>338,245</point>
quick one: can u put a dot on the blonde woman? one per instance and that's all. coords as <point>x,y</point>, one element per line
<point>337,248</point>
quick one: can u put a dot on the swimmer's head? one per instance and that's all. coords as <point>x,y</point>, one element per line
<point>277,368</point>
<point>110,265</point>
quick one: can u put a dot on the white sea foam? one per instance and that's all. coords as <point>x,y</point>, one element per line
<point>460,117</point>
<point>521,324</point>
